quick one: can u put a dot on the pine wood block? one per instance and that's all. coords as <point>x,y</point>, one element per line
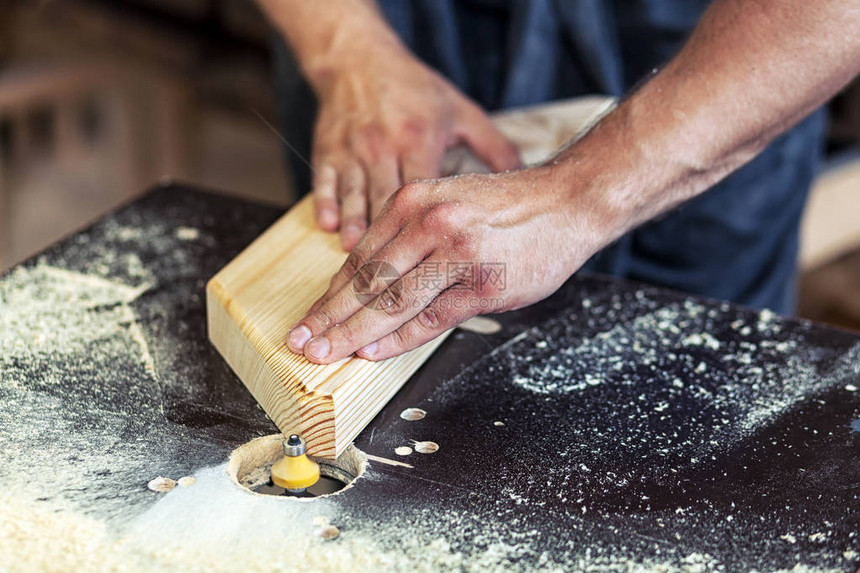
<point>254,300</point>
<point>251,304</point>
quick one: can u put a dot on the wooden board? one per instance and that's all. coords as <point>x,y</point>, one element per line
<point>251,305</point>
<point>254,300</point>
<point>829,226</point>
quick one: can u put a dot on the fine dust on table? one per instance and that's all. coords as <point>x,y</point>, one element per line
<point>56,327</point>
<point>78,466</point>
<point>213,527</point>
<point>48,310</point>
<point>736,386</point>
<point>80,451</point>
<point>642,395</point>
<point>82,376</point>
<point>216,527</point>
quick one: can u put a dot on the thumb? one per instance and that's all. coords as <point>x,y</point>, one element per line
<point>488,143</point>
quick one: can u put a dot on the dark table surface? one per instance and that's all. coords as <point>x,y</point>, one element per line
<point>614,425</point>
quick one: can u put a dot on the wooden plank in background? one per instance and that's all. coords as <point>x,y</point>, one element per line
<point>830,222</point>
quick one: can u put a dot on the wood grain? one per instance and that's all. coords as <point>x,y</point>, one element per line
<point>252,303</point>
<point>255,299</point>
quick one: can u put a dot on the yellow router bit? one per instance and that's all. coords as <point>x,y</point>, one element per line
<point>295,472</point>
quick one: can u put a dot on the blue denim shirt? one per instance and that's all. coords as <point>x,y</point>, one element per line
<point>738,241</point>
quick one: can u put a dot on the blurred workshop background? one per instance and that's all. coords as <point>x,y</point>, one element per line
<point>101,99</point>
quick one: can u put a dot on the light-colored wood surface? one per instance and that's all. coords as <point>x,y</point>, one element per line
<point>253,302</point>
<point>538,131</point>
<point>255,299</point>
<point>831,221</point>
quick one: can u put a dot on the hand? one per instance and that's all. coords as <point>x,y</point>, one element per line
<point>384,120</point>
<point>463,246</point>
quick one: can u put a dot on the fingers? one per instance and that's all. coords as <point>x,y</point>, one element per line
<point>376,317</point>
<point>353,205</point>
<point>384,178</point>
<point>325,197</point>
<point>489,144</point>
<point>446,311</point>
<point>361,289</point>
<point>380,233</point>
<point>415,166</point>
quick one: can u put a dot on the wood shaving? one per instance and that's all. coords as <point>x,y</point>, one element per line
<point>161,484</point>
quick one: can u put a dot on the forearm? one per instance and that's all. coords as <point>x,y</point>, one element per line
<point>750,71</point>
<point>327,36</point>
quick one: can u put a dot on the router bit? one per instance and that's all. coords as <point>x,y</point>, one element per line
<point>295,472</point>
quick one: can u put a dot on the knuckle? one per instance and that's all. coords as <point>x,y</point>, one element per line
<point>370,132</point>
<point>414,129</point>
<point>463,242</point>
<point>392,302</point>
<point>321,151</point>
<point>347,335</point>
<point>430,318</point>
<point>444,217</point>
<point>449,221</point>
<point>407,196</point>
<point>399,338</point>
<point>370,142</point>
<point>352,194</point>
<point>367,280</point>
<point>356,260</point>
<point>328,149</point>
<point>324,317</point>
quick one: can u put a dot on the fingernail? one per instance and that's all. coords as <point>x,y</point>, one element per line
<point>328,218</point>
<point>319,347</point>
<point>370,349</point>
<point>354,232</point>
<point>350,237</point>
<point>299,336</point>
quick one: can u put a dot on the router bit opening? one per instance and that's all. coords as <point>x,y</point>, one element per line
<point>251,464</point>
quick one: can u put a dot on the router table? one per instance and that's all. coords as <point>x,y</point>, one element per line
<point>612,427</point>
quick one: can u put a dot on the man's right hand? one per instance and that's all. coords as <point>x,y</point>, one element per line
<point>385,119</point>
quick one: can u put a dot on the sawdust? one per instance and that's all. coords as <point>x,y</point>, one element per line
<point>161,484</point>
<point>766,378</point>
<point>425,447</point>
<point>171,539</point>
<point>47,538</point>
<point>45,311</point>
<point>413,414</point>
<point>654,395</point>
<point>74,445</point>
<point>187,233</point>
<point>481,325</point>
<point>63,337</point>
<point>327,532</point>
